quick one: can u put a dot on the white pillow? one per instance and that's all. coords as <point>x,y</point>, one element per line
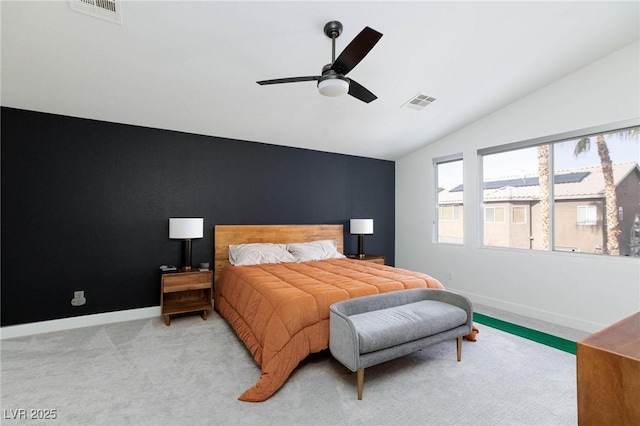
<point>259,253</point>
<point>315,250</point>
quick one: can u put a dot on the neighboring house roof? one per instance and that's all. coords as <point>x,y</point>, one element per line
<point>577,183</point>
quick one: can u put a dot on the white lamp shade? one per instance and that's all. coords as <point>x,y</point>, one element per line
<point>333,87</point>
<point>361,226</point>
<point>185,227</point>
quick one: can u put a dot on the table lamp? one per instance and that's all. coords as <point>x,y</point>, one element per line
<point>185,228</point>
<point>361,227</point>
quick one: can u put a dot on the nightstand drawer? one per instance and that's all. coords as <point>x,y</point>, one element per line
<point>186,281</point>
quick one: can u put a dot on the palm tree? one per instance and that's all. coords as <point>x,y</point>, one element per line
<point>611,245</point>
<point>543,182</point>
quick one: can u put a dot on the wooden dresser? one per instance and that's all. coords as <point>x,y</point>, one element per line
<point>608,373</point>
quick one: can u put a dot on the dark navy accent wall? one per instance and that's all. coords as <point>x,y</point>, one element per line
<point>85,206</point>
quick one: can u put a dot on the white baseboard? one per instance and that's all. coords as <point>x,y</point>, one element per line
<point>539,314</point>
<point>29,329</point>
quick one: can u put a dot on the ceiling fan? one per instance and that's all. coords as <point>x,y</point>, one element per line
<point>333,82</point>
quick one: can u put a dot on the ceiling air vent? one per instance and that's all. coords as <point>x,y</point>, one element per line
<point>109,10</point>
<point>418,102</point>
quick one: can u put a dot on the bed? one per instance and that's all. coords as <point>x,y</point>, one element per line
<point>281,310</point>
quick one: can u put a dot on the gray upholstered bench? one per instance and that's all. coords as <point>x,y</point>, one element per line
<point>369,330</point>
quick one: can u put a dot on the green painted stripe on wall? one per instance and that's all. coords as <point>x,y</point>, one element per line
<point>527,333</point>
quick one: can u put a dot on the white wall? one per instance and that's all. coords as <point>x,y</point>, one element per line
<point>586,292</point>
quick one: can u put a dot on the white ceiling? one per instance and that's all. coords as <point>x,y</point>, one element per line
<point>193,66</point>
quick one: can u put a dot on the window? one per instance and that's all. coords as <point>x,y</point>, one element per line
<point>518,214</point>
<point>596,174</point>
<point>587,215</point>
<point>450,200</point>
<point>451,212</point>
<point>510,181</point>
<point>494,214</point>
<point>571,190</point>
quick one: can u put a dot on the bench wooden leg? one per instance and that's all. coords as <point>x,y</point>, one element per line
<point>459,347</point>
<point>360,374</point>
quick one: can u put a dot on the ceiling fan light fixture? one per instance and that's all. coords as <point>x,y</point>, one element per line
<point>333,87</point>
<point>332,81</point>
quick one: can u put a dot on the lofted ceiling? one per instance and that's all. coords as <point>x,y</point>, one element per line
<point>193,66</point>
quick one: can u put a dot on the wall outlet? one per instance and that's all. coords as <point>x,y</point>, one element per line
<point>78,298</point>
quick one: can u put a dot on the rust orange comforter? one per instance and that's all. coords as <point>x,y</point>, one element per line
<point>281,311</point>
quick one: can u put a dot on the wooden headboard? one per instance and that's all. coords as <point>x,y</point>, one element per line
<point>225,235</point>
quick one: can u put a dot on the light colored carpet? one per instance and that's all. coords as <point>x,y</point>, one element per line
<point>144,373</point>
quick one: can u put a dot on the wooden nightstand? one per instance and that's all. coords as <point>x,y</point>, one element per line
<point>188,291</point>
<point>373,258</point>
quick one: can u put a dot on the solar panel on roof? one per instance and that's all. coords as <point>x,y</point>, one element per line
<point>571,177</point>
<point>530,181</point>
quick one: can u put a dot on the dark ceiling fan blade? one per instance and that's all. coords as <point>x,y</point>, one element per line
<point>356,51</point>
<point>359,92</point>
<point>288,80</point>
